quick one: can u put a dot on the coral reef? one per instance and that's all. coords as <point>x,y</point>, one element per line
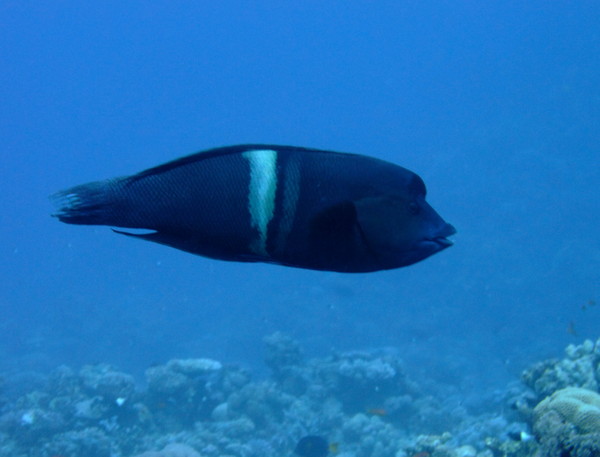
<point>364,402</point>
<point>172,450</point>
<point>563,404</point>
<point>580,368</point>
<point>575,406</point>
<point>568,423</point>
<point>184,391</point>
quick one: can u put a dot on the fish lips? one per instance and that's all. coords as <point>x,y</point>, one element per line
<point>439,241</point>
<point>426,247</point>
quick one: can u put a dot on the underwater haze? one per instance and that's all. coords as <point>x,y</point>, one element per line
<point>496,105</point>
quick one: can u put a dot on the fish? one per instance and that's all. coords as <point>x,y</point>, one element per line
<point>377,411</point>
<point>589,303</point>
<point>286,205</point>
<point>314,446</point>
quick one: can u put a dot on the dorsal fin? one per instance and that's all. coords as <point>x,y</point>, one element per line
<point>216,152</point>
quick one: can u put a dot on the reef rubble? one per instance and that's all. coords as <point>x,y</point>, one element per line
<point>365,402</point>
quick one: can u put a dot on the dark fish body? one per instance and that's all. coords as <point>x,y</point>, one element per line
<point>287,205</point>
<point>312,446</point>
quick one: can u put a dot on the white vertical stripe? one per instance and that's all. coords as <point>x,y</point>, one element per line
<point>261,193</point>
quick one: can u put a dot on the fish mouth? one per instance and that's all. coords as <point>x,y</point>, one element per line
<point>435,244</point>
<point>440,240</point>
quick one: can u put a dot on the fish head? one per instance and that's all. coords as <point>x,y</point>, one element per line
<point>400,229</point>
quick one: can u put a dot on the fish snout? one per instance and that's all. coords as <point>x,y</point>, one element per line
<point>437,239</point>
<point>440,237</point>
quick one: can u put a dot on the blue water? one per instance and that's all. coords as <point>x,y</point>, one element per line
<point>495,104</point>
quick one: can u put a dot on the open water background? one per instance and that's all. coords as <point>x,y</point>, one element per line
<point>495,104</point>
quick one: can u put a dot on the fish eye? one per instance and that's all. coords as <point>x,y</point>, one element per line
<point>414,207</point>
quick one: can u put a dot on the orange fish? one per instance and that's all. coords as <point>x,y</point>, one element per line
<point>377,411</point>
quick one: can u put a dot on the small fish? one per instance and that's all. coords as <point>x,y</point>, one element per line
<point>571,328</point>
<point>293,206</point>
<point>520,436</point>
<point>589,303</point>
<point>377,411</point>
<point>421,454</point>
<point>312,446</point>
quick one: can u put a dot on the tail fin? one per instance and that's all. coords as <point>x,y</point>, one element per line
<point>87,204</point>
